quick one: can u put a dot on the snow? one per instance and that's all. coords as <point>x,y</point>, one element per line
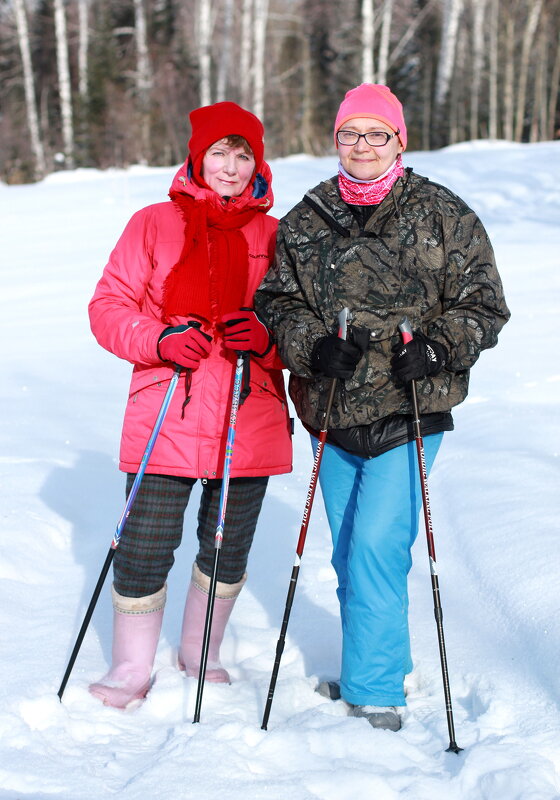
<point>493,494</point>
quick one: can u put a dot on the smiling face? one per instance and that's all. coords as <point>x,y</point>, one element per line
<point>228,169</point>
<point>363,161</point>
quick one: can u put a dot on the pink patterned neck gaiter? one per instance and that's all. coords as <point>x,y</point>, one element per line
<point>368,193</point>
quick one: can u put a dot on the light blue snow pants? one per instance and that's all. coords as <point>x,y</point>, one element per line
<point>373,507</point>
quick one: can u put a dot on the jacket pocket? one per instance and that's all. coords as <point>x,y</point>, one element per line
<point>265,389</point>
<point>152,376</point>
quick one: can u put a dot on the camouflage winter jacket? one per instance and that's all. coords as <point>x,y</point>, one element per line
<point>423,253</point>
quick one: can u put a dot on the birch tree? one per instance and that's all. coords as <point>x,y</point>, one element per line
<point>479,8</point>
<point>83,46</point>
<point>528,38</point>
<point>261,19</point>
<point>554,90</point>
<point>144,79</point>
<point>64,84</point>
<point>385,36</point>
<point>204,32</point>
<point>368,36</point>
<point>225,54</point>
<point>508,78</point>
<point>452,10</point>
<point>539,120</point>
<point>29,88</point>
<point>493,13</point>
<point>246,46</point>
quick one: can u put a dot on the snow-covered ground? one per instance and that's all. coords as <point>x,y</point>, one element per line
<point>495,511</point>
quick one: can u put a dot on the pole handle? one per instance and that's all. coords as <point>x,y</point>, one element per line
<point>343,323</point>
<point>405,329</point>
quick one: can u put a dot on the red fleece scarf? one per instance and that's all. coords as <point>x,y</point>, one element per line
<point>369,193</point>
<point>210,277</point>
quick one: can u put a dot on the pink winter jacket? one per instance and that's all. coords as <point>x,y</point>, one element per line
<point>126,318</point>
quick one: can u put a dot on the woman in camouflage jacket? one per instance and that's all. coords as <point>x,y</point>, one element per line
<point>385,243</point>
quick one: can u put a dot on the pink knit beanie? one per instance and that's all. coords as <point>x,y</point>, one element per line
<point>376,101</point>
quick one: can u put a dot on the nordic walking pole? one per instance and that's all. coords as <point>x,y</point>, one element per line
<point>342,320</point>
<point>406,333</point>
<point>122,522</point>
<point>236,393</point>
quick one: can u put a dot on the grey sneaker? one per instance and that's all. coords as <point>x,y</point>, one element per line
<point>378,716</point>
<point>329,689</point>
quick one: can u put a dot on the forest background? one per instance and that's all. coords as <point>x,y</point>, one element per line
<point>109,83</point>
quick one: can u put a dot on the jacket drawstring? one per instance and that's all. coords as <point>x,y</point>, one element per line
<point>188,381</point>
<point>246,386</point>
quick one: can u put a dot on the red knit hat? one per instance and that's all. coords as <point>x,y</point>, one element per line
<point>209,124</point>
<point>376,101</point>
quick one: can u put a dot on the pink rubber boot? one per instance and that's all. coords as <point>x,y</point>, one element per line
<point>136,629</point>
<point>193,625</point>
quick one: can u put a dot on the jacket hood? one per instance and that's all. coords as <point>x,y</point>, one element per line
<point>257,195</point>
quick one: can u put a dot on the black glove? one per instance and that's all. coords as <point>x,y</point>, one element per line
<point>420,358</point>
<point>338,358</point>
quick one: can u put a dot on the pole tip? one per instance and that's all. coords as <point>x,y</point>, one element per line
<point>454,748</point>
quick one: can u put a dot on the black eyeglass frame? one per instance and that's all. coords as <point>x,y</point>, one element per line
<point>388,136</point>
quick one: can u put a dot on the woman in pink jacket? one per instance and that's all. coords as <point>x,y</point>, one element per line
<point>178,290</point>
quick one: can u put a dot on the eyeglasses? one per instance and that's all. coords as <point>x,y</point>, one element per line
<point>373,138</point>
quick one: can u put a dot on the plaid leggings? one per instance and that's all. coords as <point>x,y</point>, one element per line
<point>154,530</point>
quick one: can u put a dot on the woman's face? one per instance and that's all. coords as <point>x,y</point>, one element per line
<point>226,169</point>
<point>362,160</point>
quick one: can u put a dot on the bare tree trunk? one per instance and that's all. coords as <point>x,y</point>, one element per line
<point>307,100</point>
<point>246,45</point>
<point>493,70</point>
<point>509,77</point>
<point>544,61</point>
<point>261,19</point>
<point>144,80</point>
<point>479,7</point>
<point>539,120</point>
<point>368,34</point>
<point>457,92</point>
<point>527,46</point>
<point>311,87</point>
<point>29,87</point>
<point>64,84</point>
<point>427,95</point>
<point>83,46</point>
<point>451,13</point>
<point>204,59</point>
<point>383,61</point>
<point>225,56</point>
<point>553,94</point>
